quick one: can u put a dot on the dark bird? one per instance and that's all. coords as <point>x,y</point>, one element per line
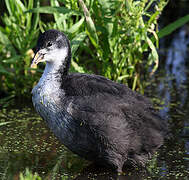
<point>96,118</point>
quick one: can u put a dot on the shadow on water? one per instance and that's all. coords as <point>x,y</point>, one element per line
<point>25,141</point>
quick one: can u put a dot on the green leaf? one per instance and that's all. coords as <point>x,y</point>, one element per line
<point>12,59</point>
<point>173,26</point>
<point>148,5</point>
<point>51,10</point>
<point>6,42</point>
<point>59,18</point>
<point>91,30</point>
<point>21,5</point>
<point>29,16</point>
<point>76,26</point>
<point>77,41</point>
<point>77,67</point>
<point>128,5</point>
<point>107,5</point>
<point>8,6</point>
<point>36,15</point>
<point>154,54</point>
<point>30,4</point>
<point>27,175</point>
<point>5,123</point>
<point>3,70</point>
<point>153,17</point>
<point>153,48</point>
<point>4,39</point>
<point>120,78</point>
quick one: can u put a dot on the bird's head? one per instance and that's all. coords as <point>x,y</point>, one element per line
<point>52,47</point>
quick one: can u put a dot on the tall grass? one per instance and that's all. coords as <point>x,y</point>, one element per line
<point>121,37</point>
<point>17,38</point>
<point>117,35</point>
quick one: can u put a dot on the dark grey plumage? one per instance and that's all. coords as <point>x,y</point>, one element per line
<point>94,117</point>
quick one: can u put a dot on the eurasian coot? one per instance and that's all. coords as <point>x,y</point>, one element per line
<point>96,118</point>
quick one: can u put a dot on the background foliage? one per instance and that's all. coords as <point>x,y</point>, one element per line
<point>116,39</point>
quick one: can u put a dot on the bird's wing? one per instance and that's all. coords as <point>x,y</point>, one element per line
<point>85,85</point>
<point>95,100</point>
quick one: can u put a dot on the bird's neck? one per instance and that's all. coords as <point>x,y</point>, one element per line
<point>54,72</point>
<point>51,78</point>
<point>51,73</point>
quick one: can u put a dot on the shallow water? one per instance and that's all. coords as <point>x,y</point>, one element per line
<point>25,141</point>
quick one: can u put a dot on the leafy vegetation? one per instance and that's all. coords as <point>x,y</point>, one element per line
<point>121,38</point>
<point>17,38</point>
<point>29,176</point>
<point>117,35</point>
<point>117,39</point>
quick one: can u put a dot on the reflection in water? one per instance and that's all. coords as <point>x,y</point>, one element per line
<point>173,88</point>
<point>26,142</point>
<point>176,66</point>
<point>176,61</point>
<point>176,57</point>
<point>176,70</point>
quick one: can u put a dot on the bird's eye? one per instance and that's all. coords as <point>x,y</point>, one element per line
<point>49,44</point>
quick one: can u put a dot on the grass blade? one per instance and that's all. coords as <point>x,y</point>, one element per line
<point>51,10</point>
<point>173,26</point>
<point>91,30</point>
<point>8,6</point>
<point>59,18</point>
<point>154,54</point>
<point>20,4</point>
<point>3,70</point>
<point>36,15</point>
<point>29,15</point>
<point>77,68</point>
<point>77,41</point>
<point>12,59</point>
<point>5,41</point>
<point>76,26</point>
